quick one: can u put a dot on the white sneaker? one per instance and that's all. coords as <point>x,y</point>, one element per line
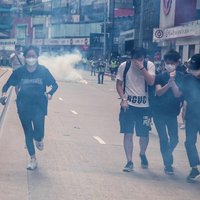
<point>32,164</point>
<point>39,145</point>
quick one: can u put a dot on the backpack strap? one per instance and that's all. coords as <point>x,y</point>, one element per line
<point>128,64</point>
<point>145,66</point>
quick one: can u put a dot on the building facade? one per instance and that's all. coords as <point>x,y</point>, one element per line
<point>179,27</point>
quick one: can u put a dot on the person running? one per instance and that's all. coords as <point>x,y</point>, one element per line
<point>32,99</point>
<point>191,94</point>
<point>135,104</point>
<point>168,105</point>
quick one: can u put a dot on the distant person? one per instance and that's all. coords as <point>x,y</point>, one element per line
<point>132,78</point>
<point>113,69</point>
<point>168,104</point>
<point>32,99</point>
<point>17,58</point>
<point>93,68</point>
<point>191,94</point>
<point>101,71</point>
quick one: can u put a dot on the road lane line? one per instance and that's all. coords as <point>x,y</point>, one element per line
<point>99,139</point>
<point>74,112</point>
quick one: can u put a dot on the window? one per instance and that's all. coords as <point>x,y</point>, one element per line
<point>39,32</point>
<point>191,51</point>
<point>181,51</point>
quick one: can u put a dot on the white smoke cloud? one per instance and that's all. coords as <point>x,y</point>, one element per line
<point>63,66</point>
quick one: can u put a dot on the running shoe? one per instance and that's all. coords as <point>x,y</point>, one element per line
<point>169,170</point>
<point>32,164</point>
<point>128,167</point>
<point>144,161</point>
<point>194,174</point>
<point>39,145</point>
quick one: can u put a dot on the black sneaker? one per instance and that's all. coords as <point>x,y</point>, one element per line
<point>169,170</point>
<point>128,167</point>
<point>144,161</point>
<point>194,174</point>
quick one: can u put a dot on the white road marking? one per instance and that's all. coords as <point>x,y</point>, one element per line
<point>99,139</point>
<point>61,99</point>
<point>74,112</point>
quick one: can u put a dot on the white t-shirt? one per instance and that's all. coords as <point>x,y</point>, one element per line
<point>135,84</point>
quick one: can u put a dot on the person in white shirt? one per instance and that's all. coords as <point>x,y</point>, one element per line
<point>135,104</point>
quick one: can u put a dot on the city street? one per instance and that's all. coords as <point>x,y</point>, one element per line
<point>83,155</point>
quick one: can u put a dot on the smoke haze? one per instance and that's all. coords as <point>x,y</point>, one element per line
<point>63,67</point>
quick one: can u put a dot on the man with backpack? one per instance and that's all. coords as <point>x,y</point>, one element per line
<point>133,79</point>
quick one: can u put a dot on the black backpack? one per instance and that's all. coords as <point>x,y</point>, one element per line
<point>148,88</point>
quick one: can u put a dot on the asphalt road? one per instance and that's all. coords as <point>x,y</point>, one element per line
<point>83,156</point>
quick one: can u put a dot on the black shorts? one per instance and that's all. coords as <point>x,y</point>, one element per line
<point>134,117</point>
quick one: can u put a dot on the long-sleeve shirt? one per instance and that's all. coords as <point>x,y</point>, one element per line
<point>31,98</point>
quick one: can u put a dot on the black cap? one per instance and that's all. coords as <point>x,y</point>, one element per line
<point>194,62</point>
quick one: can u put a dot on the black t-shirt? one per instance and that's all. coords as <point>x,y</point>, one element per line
<point>168,104</point>
<point>31,97</point>
<point>191,94</point>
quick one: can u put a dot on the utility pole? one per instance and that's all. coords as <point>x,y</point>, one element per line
<point>104,31</point>
<point>141,23</point>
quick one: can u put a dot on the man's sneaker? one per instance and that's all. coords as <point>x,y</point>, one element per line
<point>32,164</point>
<point>39,145</point>
<point>194,174</point>
<point>128,167</point>
<point>144,161</point>
<point>169,170</point>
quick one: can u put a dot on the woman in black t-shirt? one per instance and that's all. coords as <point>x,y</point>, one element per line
<point>32,99</point>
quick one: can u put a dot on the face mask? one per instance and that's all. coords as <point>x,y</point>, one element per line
<point>195,73</point>
<point>170,68</point>
<point>31,61</point>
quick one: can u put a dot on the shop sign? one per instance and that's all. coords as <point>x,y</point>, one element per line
<point>67,41</point>
<point>175,32</point>
<point>7,44</point>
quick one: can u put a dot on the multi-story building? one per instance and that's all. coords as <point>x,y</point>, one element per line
<point>147,15</point>
<point>179,27</point>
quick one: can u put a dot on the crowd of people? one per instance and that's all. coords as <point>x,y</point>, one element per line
<point>147,92</point>
<point>161,95</point>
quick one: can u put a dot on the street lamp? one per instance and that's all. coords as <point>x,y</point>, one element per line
<point>104,31</point>
<point>141,23</point>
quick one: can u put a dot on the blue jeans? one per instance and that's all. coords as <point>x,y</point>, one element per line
<point>167,128</point>
<point>192,130</point>
<point>33,127</point>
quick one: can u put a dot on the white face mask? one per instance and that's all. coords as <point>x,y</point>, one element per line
<point>170,67</point>
<point>31,61</point>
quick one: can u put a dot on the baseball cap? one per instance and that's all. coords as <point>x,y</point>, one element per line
<point>194,63</point>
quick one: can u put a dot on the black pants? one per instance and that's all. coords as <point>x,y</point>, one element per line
<point>100,77</point>
<point>167,128</point>
<point>33,127</point>
<point>192,131</point>
<point>93,71</point>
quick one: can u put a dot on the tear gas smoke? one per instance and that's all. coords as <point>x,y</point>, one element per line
<point>63,66</point>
